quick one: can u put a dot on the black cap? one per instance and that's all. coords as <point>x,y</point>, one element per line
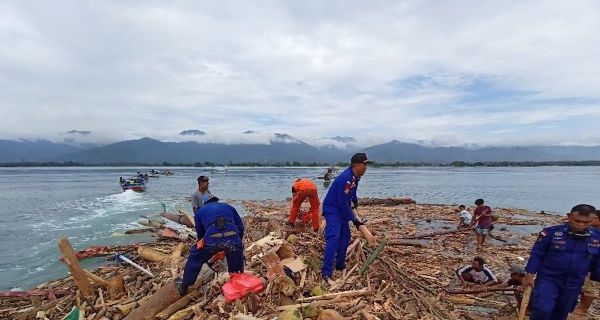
<point>360,158</point>
<point>202,178</point>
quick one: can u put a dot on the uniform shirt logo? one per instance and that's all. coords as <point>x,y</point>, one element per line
<point>558,234</point>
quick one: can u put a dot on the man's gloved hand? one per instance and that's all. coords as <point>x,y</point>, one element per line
<point>354,204</point>
<point>357,223</point>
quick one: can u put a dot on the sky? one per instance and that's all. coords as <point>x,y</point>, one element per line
<point>433,72</point>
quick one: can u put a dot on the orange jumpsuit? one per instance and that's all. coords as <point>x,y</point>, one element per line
<point>302,189</point>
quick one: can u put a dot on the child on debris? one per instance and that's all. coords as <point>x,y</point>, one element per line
<point>477,273</point>
<point>220,229</point>
<point>483,220</point>
<point>465,217</point>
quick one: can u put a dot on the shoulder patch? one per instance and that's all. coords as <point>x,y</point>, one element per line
<point>542,235</point>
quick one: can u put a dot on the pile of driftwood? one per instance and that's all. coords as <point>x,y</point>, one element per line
<point>408,273</point>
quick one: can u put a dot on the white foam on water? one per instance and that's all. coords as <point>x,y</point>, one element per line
<point>87,210</point>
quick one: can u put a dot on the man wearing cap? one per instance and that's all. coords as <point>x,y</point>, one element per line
<point>200,193</point>
<point>303,189</point>
<point>220,229</point>
<point>337,210</point>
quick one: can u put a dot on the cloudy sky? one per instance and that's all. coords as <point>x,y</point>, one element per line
<point>435,72</point>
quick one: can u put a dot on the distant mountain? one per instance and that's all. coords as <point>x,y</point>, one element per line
<point>33,150</point>
<point>281,148</point>
<point>146,150</point>
<point>406,152</point>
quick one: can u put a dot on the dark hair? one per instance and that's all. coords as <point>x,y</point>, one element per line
<point>202,178</point>
<point>479,202</point>
<point>461,206</point>
<point>584,209</point>
<point>480,260</point>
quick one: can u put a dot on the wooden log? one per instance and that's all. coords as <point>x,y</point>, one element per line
<point>174,259</point>
<point>142,230</point>
<point>190,217</point>
<point>152,255</point>
<point>161,299</point>
<point>352,247</point>
<point>437,233</point>
<point>364,231</point>
<point>394,201</point>
<point>100,313</point>
<point>179,218</point>
<point>524,303</point>
<point>34,293</point>
<point>182,314</point>
<point>345,294</point>
<point>406,242</point>
<point>326,302</point>
<point>178,305</point>
<point>125,309</point>
<point>97,280</point>
<point>483,290</point>
<point>116,287</point>
<point>79,276</point>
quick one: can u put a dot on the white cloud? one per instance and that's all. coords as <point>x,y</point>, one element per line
<point>446,73</point>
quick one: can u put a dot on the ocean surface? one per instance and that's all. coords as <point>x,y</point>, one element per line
<point>39,205</point>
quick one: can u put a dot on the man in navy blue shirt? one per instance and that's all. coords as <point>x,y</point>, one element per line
<point>220,229</point>
<point>337,210</point>
<point>561,258</point>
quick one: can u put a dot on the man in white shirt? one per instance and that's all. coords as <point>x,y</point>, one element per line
<point>465,217</point>
<point>477,273</point>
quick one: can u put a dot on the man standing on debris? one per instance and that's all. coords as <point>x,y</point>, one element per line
<point>220,229</point>
<point>302,189</point>
<point>561,257</point>
<point>590,289</point>
<point>477,273</point>
<point>337,210</point>
<point>483,220</point>
<point>200,193</point>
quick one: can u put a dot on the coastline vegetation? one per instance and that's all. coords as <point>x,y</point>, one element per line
<point>308,164</point>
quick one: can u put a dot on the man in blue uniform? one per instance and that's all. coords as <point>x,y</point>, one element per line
<point>337,210</point>
<point>562,257</point>
<point>220,229</point>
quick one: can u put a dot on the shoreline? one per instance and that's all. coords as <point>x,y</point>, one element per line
<point>395,221</point>
<point>453,164</point>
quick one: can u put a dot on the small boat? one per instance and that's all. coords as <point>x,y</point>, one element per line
<point>135,184</point>
<point>329,174</point>
<point>136,188</point>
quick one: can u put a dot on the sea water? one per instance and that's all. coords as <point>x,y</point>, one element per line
<point>39,205</point>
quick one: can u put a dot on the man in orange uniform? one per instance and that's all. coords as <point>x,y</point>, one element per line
<point>302,189</point>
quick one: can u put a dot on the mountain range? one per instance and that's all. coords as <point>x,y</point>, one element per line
<point>282,148</point>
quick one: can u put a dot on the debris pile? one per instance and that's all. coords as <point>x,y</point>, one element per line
<point>407,274</point>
